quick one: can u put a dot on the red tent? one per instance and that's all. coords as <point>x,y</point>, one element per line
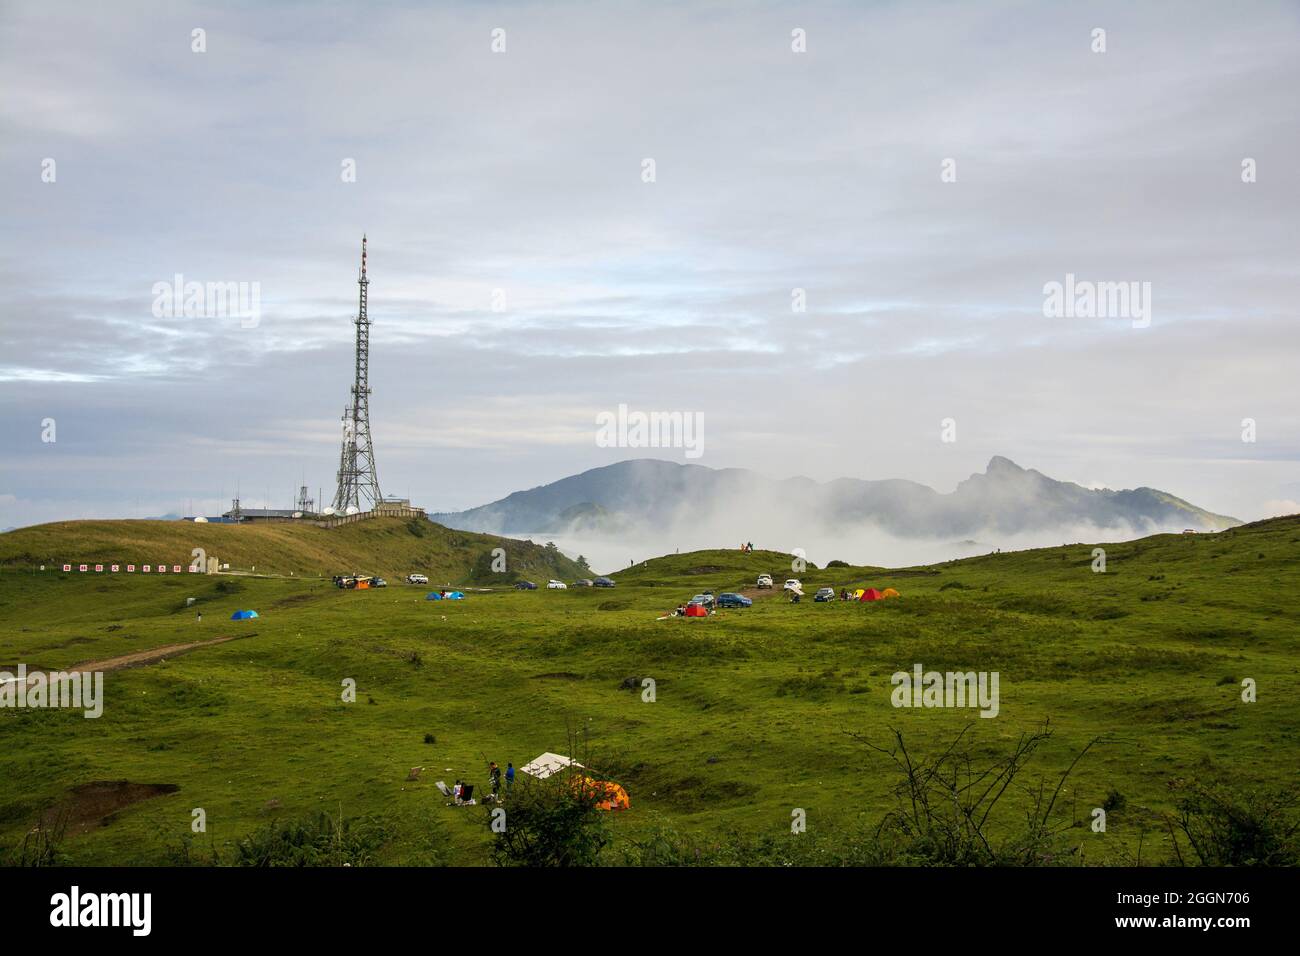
<point>871,594</point>
<point>696,610</point>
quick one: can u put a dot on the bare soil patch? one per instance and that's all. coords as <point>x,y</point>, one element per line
<point>96,804</point>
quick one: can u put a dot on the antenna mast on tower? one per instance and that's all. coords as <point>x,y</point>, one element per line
<point>357,477</point>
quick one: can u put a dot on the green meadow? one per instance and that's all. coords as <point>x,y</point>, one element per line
<point>756,711</point>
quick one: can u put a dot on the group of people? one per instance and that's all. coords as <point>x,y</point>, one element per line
<point>747,548</point>
<point>462,795</point>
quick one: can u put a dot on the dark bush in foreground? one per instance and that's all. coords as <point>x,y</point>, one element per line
<point>322,841</point>
<point>1225,827</point>
<point>551,822</point>
<point>42,845</point>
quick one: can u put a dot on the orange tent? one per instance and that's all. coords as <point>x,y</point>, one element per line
<point>696,610</point>
<point>871,594</point>
<point>889,592</point>
<point>609,795</point>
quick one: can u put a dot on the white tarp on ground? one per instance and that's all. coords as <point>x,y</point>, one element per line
<point>547,764</point>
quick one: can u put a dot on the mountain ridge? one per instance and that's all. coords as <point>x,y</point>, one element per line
<point>1005,498</point>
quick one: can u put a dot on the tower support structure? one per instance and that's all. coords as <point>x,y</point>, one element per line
<point>358,482</point>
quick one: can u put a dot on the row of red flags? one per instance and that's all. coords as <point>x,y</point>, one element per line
<point>145,568</point>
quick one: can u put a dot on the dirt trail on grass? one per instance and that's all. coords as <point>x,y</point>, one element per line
<point>149,656</point>
<point>136,658</point>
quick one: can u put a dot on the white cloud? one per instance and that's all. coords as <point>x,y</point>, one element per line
<point>521,172</point>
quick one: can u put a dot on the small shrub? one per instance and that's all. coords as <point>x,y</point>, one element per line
<point>42,845</point>
<point>942,818</point>
<point>551,822</point>
<point>318,841</point>
<point>1227,827</point>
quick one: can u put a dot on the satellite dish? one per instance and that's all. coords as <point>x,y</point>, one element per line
<point>328,511</point>
<point>200,520</point>
<point>353,509</point>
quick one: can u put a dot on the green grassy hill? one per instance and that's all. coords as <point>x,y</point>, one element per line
<point>753,712</point>
<point>392,547</point>
<point>730,565</point>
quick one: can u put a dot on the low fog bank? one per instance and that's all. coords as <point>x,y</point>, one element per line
<point>860,545</point>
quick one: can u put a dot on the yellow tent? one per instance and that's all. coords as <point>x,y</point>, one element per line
<point>889,592</point>
<point>609,795</point>
<point>857,595</point>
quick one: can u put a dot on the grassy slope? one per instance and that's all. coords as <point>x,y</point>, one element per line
<point>393,547</point>
<point>730,565</point>
<point>752,704</point>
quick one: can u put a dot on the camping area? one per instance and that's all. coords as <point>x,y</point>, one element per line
<point>753,714</point>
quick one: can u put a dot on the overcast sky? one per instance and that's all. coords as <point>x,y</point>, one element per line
<point>522,171</point>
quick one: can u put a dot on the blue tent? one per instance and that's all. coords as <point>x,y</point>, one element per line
<point>433,596</point>
<point>455,596</point>
<point>243,615</point>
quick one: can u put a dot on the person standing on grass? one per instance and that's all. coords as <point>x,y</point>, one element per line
<point>510,776</point>
<point>200,617</point>
<point>494,774</point>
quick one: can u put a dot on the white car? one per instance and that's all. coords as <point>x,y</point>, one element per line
<point>556,586</point>
<point>792,585</point>
<point>765,580</point>
<point>416,579</point>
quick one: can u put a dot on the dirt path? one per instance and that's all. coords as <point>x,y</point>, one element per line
<point>149,656</point>
<point>136,658</point>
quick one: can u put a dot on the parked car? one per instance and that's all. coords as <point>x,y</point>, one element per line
<point>764,580</point>
<point>556,586</point>
<point>525,586</point>
<point>730,599</point>
<point>583,583</point>
<point>792,584</point>
<point>416,579</point>
<point>603,583</point>
<point>378,583</point>
<point>824,594</point>
<point>706,599</point>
